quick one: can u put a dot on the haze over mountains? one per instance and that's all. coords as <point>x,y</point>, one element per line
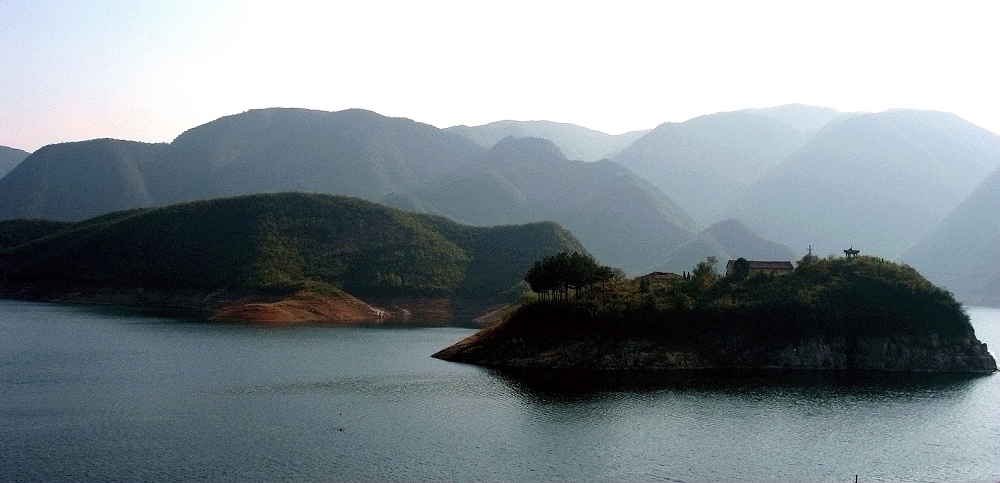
<point>726,240</point>
<point>10,157</point>
<point>704,163</point>
<point>962,252</point>
<point>576,142</point>
<point>878,182</point>
<point>758,183</point>
<point>618,216</point>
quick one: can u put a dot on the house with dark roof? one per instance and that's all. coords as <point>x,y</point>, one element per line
<point>758,266</point>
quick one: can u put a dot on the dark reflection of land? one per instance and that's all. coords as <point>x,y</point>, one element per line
<point>575,385</point>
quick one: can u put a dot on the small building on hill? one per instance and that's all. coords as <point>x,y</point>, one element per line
<point>659,277</point>
<point>757,266</point>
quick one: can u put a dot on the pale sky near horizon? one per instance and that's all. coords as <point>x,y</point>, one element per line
<point>148,70</point>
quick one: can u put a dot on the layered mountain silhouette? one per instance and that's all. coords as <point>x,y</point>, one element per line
<point>9,158</point>
<point>877,182</point>
<point>354,152</point>
<point>706,162</point>
<point>882,183</point>
<point>576,142</point>
<point>618,216</point>
<point>962,252</point>
<point>726,240</point>
<point>622,219</point>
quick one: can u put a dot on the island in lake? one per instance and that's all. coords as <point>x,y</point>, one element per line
<point>853,313</point>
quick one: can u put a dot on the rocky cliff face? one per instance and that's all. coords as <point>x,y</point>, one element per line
<point>901,354</point>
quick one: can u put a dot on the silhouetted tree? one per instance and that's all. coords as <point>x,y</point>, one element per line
<point>741,268</point>
<point>558,273</point>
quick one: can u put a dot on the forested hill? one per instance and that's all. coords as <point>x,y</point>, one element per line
<point>277,242</point>
<point>860,313</point>
<point>73,181</point>
<point>352,152</point>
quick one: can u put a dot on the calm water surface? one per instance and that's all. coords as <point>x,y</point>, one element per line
<point>87,394</point>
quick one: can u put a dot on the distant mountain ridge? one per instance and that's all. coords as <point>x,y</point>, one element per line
<point>356,153</point>
<point>576,142</point>
<point>353,152</point>
<point>800,116</point>
<point>962,252</point>
<point>618,216</point>
<point>878,182</point>
<point>706,162</point>
<point>9,158</point>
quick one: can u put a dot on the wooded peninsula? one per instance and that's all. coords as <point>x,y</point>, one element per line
<point>860,313</point>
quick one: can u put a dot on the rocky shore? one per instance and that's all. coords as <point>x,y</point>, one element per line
<point>495,347</point>
<point>262,307</point>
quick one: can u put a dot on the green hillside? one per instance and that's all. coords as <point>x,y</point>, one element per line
<point>18,232</point>
<point>282,242</point>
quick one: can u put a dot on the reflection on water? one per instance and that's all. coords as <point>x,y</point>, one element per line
<point>94,394</point>
<point>574,385</point>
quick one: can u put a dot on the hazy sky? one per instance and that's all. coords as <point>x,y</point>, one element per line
<point>147,70</point>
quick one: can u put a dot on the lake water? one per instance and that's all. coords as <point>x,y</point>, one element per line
<point>91,394</point>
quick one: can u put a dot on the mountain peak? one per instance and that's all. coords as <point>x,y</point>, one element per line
<point>515,149</point>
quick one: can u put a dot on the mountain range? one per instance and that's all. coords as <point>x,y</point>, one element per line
<point>706,162</point>
<point>618,216</point>
<point>355,153</point>
<point>877,182</point>
<point>790,176</point>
